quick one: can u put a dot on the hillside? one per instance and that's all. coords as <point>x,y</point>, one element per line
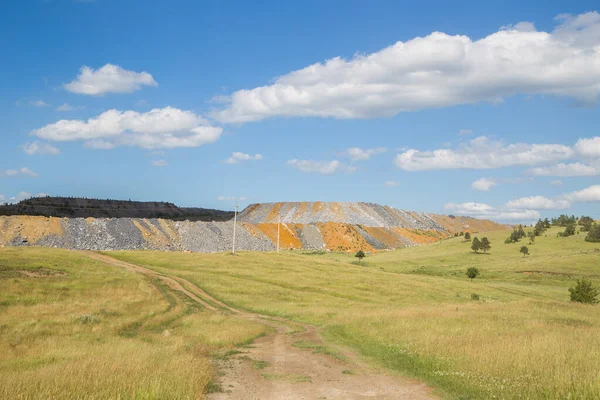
<point>314,226</point>
<point>74,207</point>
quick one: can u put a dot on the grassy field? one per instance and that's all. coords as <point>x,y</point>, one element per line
<point>411,310</point>
<point>74,328</point>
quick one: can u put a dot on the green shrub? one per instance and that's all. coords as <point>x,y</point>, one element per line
<point>472,273</point>
<point>584,292</point>
<point>474,297</point>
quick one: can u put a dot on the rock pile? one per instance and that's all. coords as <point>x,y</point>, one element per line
<point>316,226</point>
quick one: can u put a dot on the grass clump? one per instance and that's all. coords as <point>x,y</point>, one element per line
<point>318,349</point>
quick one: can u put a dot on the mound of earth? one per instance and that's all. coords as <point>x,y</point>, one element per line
<point>75,207</point>
<point>314,226</point>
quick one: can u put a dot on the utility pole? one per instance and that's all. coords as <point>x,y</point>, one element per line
<point>278,227</point>
<point>234,224</point>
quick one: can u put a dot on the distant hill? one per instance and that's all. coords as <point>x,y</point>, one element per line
<point>73,207</point>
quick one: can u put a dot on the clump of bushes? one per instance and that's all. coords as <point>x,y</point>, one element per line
<point>584,292</point>
<point>593,234</point>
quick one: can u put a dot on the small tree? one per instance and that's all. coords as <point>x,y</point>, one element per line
<point>472,273</point>
<point>521,232</point>
<point>524,250</point>
<point>476,245</point>
<point>485,244</point>
<point>360,255</point>
<point>584,292</point>
<point>593,234</point>
<point>467,236</point>
<point>569,230</point>
<point>531,237</point>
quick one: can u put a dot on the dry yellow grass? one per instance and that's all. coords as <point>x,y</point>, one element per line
<point>71,327</point>
<point>410,310</point>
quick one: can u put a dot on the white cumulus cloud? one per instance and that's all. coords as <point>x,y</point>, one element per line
<point>36,148</point>
<point>391,183</point>
<point>587,195</point>
<point>483,184</point>
<point>238,156</point>
<point>564,170</point>
<point>588,147</point>
<point>158,128</point>
<point>538,203</point>
<point>482,153</point>
<point>159,163</point>
<point>437,70</point>
<point>464,132</point>
<point>321,167</point>
<point>482,210</point>
<point>358,154</point>
<point>108,79</point>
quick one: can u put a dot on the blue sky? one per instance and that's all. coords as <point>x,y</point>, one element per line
<point>494,116</point>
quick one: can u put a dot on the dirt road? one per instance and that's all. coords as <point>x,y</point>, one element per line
<point>292,363</point>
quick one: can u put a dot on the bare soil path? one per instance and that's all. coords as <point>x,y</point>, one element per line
<point>289,364</point>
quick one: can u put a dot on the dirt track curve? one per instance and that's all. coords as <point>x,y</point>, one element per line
<point>274,368</point>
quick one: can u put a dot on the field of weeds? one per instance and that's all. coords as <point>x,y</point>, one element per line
<point>72,327</point>
<point>511,333</point>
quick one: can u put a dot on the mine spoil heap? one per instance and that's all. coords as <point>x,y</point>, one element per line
<point>304,225</point>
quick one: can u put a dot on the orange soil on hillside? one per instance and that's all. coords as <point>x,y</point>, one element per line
<point>342,237</point>
<point>420,236</point>
<point>288,239</point>
<point>274,213</point>
<point>385,236</point>
<point>152,234</point>
<point>28,227</point>
<point>253,229</point>
<point>467,224</point>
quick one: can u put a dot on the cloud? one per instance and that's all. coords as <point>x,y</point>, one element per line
<point>482,153</point>
<point>438,70</point>
<point>237,157</point>
<point>39,103</point>
<point>588,147</point>
<point>20,172</point>
<point>159,128</point>
<point>562,169</point>
<point>482,210</point>
<point>483,184</point>
<point>538,203</point>
<point>108,79</point>
<point>358,154</point>
<point>68,107</point>
<point>556,182</point>
<point>36,147</point>
<point>321,167</point>
<point>587,195</point>
<point>464,132</point>
<point>391,183</point>
<point>159,163</point>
